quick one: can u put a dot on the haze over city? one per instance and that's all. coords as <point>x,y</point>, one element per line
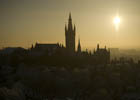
<point>26,22</point>
<point>69,49</point>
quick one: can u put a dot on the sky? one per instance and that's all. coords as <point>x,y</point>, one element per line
<point>25,22</point>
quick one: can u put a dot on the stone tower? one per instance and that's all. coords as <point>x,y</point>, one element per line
<point>70,33</point>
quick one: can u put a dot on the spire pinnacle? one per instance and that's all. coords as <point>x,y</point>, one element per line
<point>98,47</point>
<point>79,46</point>
<point>70,15</point>
<point>65,26</point>
<point>79,40</point>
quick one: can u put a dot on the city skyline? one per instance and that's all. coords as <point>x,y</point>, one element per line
<point>27,22</point>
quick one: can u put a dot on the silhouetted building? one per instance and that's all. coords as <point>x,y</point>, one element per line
<point>48,47</point>
<point>41,49</point>
<point>101,55</point>
<point>70,33</point>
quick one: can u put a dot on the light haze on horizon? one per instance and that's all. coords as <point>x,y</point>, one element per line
<point>25,22</point>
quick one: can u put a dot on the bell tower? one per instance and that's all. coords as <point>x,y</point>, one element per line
<point>70,33</point>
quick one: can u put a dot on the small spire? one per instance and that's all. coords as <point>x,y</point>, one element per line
<point>79,46</point>
<point>70,15</point>
<point>32,46</point>
<point>98,47</point>
<point>74,28</point>
<point>79,40</point>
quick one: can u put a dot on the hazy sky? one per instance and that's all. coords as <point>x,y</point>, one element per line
<point>25,22</point>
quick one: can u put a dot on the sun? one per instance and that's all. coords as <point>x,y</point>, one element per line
<point>116,21</point>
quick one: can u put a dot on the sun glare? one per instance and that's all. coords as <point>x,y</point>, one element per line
<point>116,22</point>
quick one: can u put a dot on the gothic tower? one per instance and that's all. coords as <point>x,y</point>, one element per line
<point>70,33</point>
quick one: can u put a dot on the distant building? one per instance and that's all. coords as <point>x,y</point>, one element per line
<point>100,55</point>
<point>114,53</point>
<point>48,47</point>
<point>41,49</point>
<point>70,33</point>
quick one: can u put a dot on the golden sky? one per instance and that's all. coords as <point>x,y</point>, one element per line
<point>25,22</point>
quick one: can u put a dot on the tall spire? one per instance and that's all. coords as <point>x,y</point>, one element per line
<point>70,16</point>
<point>70,22</point>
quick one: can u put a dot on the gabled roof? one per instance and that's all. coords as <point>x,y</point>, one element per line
<point>54,45</point>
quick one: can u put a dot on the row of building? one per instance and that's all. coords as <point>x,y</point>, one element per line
<point>69,48</point>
